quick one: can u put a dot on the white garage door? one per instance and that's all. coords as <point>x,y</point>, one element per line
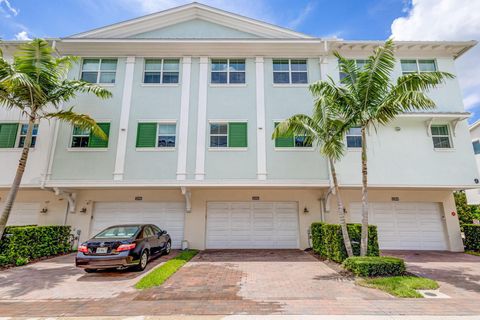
<point>405,225</point>
<point>23,213</point>
<point>250,225</point>
<point>168,216</point>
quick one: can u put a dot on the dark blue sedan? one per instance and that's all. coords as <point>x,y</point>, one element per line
<point>123,246</point>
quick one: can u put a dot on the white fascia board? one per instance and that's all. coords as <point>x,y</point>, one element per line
<point>443,115</point>
<point>474,125</point>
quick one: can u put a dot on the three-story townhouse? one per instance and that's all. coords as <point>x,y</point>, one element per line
<point>197,93</point>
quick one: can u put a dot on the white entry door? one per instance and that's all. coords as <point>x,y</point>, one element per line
<point>405,225</point>
<point>252,225</point>
<point>168,216</point>
<point>23,213</point>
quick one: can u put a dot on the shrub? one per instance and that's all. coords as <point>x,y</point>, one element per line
<point>31,242</point>
<point>327,240</point>
<point>21,261</point>
<point>472,237</point>
<point>4,260</point>
<point>375,266</point>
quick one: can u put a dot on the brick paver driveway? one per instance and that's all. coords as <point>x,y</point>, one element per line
<point>58,278</point>
<point>225,282</point>
<point>457,273</point>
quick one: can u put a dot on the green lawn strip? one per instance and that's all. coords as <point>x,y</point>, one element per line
<point>473,253</point>
<point>400,286</point>
<point>165,271</point>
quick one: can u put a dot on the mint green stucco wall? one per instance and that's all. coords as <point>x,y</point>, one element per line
<point>282,102</point>
<point>90,165</point>
<point>197,29</point>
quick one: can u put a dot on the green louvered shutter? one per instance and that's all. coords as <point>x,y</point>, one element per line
<point>97,142</point>
<point>284,142</point>
<point>237,134</point>
<point>8,134</point>
<point>146,135</point>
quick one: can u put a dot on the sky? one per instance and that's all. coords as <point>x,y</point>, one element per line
<point>345,19</point>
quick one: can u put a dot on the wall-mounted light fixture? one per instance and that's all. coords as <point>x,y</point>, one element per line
<point>305,210</point>
<point>44,210</point>
<point>398,129</point>
<point>83,210</point>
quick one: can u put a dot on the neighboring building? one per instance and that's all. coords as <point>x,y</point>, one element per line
<point>473,195</point>
<point>196,95</point>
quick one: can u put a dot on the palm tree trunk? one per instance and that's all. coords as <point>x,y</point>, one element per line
<point>364,235</point>
<point>12,194</point>
<point>341,211</point>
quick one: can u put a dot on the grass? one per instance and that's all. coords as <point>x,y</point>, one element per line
<point>473,253</point>
<point>401,286</point>
<point>165,271</point>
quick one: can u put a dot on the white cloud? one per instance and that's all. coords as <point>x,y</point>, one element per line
<point>7,9</point>
<point>302,15</point>
<point>447,20</point>
<point>22,35</point>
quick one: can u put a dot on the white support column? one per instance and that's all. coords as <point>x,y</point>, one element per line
<point>201,119</point>
<point>184,108</point>
<point>323,68</point>
<point>124,119</point>
<point>261,135</point>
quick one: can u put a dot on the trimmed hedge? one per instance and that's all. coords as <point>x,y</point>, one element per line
<point>375,266</point>
<point>21,244</point>
<point>327,240</point>
<point>472,237</point>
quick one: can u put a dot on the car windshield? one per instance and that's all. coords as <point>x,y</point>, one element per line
<point>118,232</point>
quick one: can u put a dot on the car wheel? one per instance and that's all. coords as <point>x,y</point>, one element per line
<point>90,270</point>
<point>143,261</point>
<point>168,247</point>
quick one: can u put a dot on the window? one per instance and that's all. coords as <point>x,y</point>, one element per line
<point>161,71</point>
<point>360,63</point>
<point>156,135</point>
<point>228,71</point>
<point>23,134</point>
<point>441,136</point>
<point>83,138</point>
<point>289,71</point>
<point>292,142</point>
<point>354,138</point>
<point>476,146</point>
<point>228,135</point>
<point>99,70</point>
<point>414,66</point>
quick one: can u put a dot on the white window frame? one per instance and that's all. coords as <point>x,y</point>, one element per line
<point>418,65</point>
<point>161,73</point>
<point>160,123</point>
<point>356,64</point>
<point>217,134</point>
<point>20,135</point>
<point>70,145</point>
<point>228,72</point>
<point>98,71</point>
<point>353,135</point>
<point>289,72</point>
<point>448,135</point>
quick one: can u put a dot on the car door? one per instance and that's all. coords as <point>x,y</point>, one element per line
<point>162,239</point>
<point>151,239</point>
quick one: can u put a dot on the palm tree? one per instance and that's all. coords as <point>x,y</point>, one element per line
<point>35,84</point>
<point>327,130</point>
<point>368,98</point>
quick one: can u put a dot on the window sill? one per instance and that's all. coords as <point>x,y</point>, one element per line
<point>444,149</point>
<point>87,149</point>
<point>357,149</point>
<point>159,85</point>
<point>295,149</point>
<point>290,85</point>
<point>226,149</point>
<point>106,84</point>
<point>155,149</point>
<point>228,85</point>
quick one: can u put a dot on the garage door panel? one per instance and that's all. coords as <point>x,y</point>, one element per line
<point>405,225</point>
<point>169,216</point>
<point>266,225</point>
<point>23,213</point>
